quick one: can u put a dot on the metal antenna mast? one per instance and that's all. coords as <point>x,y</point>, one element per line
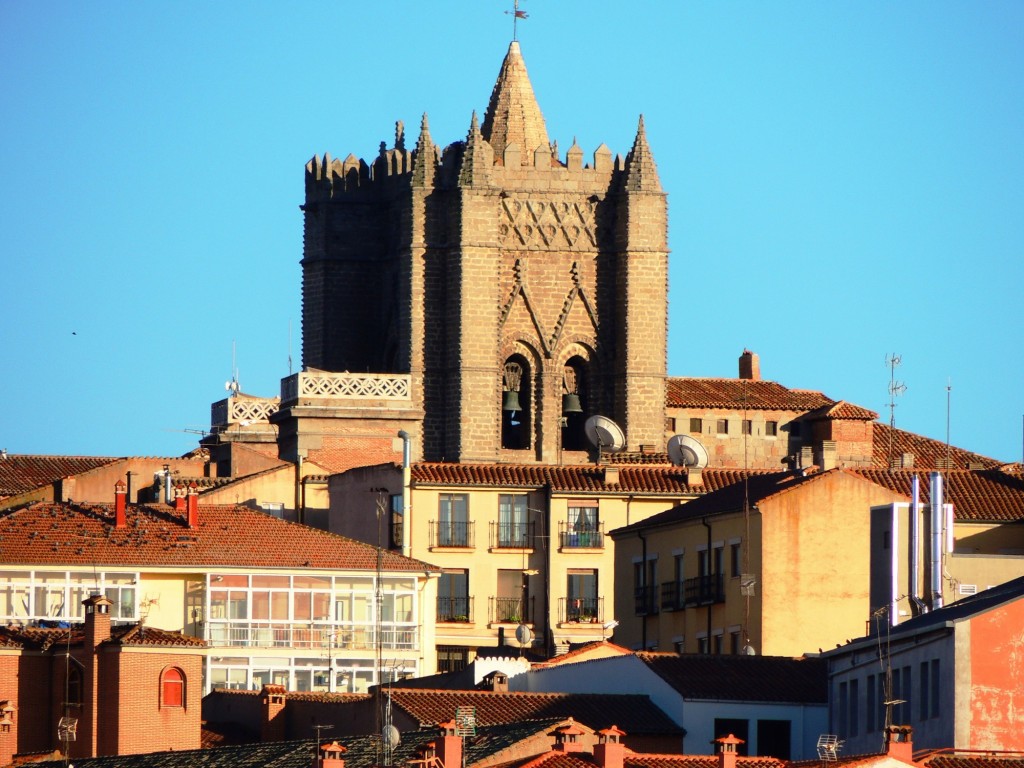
<point>896,388</point>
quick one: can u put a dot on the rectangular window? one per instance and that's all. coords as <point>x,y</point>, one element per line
<point>734,643</point>
<point>511,601</point>
<point>907,689</point>
<point>719,559</point>
<point>719,643</point>
<point>703,563</point>
<point>453,596</point>
<point>924,699</point>
<point>794,428</point>
<point>773,739</point>
<point>843,713</point>
<point>512,521</point>
<point>722,426</point>
<point>583,526</point>
<point>452,658</point>
<point>581,594</point>
<point>935,688</point>
<point>747,427</point>
<point>453,520</point>
<point>869,705</point>
<point>696,425</point>
<point>771,428</point>
<point>670,424</point>
<point>703,644</point>
<point>854,706</point>
<point>735,566</point>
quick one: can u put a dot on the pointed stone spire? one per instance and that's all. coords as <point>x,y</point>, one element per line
<point>424,158</point>
<point>641,174</point>
<point>513,115</point>
<point>477,158</point>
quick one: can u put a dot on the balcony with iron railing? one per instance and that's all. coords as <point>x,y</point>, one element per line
<point>518,535</point>
<point>455,610</point>
<point>645,600</point>
<point>704,590</point>
<point>321,385</point>
<point>672,595</point>
<point>581,610</point>
<point>510,610</point>
<point>457,535</point>
<point>257,634</point>
<point>574,537</point>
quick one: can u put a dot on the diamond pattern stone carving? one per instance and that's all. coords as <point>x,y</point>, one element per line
<point>566,224</point>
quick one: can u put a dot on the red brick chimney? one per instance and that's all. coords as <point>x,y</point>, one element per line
<point>899,742</point>
<point>727,751</point>
<point>273,700</point>
<point>329,756</point>
<point>97,620</point>
<point>179,497</point>
<point>609,750</point>
<point>449,746</point>
<point>120,504</point>
<point>750,366</point>
<point>192,505</point>
<point>567,738</point>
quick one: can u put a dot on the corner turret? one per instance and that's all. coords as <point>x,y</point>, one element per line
<point>513,115</point>
<point>641,174</point>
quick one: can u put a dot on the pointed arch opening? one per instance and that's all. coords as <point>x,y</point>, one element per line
<point>575,403</point>
<point>516,403</point>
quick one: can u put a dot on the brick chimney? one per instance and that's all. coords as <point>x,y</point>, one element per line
<point>120,504</point>
<point>329,756</point>
<point>567,738</point>
<point>727,751</point>
<point>449,746</point>
<point>272,725</point>
<point>609,750</point>
<point>179,497</point>
<point>750,366</point>
<point>8,732</point>
<point>97,620</point>
<point>192,505</point>
<point>899,742</point>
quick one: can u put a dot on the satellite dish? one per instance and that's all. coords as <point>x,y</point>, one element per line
<point>687,451</point>
<point>604,433</point>
<point>391,736</point>
<point>524,635</point>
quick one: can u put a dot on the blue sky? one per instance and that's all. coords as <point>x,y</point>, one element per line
<point>845,179</point>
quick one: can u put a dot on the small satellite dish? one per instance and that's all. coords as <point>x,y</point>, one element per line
<point>687,451</point>
<point>604,433</point>
<point>524,635</point>
<point>391,736</point>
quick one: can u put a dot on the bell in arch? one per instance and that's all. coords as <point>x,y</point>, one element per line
<point>510,401</point>
<point>571,403</point>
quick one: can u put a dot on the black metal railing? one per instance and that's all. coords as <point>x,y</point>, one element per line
<point>704,590</point>
<point>574,537</point>
<point>511,610</point>
<point>446,533</point>
<point>645,600</point>
<point>671,595</point>
<point>517,535</point>
<point>581,610</point>
<point>455,609</point>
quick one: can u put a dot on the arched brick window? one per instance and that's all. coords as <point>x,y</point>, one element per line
<point>172,688</point>
<point>516,403</point>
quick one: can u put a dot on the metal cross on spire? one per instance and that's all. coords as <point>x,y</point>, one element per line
<point>516,15</point>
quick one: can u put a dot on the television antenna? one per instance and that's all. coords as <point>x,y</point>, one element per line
<point>232,384</point>
<point>603,433</point>
<point>828,747</point>
<point>687,451</point>
<point>896,388</point>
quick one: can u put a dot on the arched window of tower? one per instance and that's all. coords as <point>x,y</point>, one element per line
<point>574,404</point>
<point>516,404</point>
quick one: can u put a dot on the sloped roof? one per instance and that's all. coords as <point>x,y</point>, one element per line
<point>639,760</point>
<point>227,536</point>
<point>633,713</point>
<point>733,394</point>
<point>842,411</point>
<point>23,472</point>
<point>964,760</point>
<point>742,678</point>
<point>45,638</point>
<point>513,115</point>
<point>988,495</point>
<point>927,452</point>
<point>666,479</point>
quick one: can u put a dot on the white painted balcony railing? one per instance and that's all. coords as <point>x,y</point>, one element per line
<point>282,635</point>
<point>347,386</point>
<point>236,410</point>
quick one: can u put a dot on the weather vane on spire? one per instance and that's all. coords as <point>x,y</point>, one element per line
<point>516,15</point>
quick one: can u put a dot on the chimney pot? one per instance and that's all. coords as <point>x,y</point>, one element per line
<point>120,504</point>
<point>609,752</point>
<point>750,366</point>
<point>727,750</point>
<point>899,742</point>
<point>192,505</point>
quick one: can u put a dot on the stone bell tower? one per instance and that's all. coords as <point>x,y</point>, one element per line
<point>516,289</point>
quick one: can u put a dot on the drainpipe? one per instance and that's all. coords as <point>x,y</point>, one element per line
<point>914,565</point>
<point>706,524</point>
<point>406,495</point>
<point>936,537</point>
<point>299,506</point>
<point>643,583</point>
<point>549,637</point>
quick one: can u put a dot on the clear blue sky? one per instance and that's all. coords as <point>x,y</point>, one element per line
<point>845,179</point>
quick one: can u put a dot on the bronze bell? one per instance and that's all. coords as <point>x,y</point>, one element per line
<point>571,403</point>
<point>510,402</point>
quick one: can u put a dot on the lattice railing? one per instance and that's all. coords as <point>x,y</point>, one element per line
<point>351,386</point>
<point>234,410</point>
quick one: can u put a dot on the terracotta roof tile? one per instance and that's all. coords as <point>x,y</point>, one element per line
<point>227,536</point>
<point>642,760</point>
<point>23,472</point>
<point>732,394</point>
<point>1015,760</point>
<point>633,713</point>
<point>742,678</point>
<point>140,634</point>
<point>928,453</point>
<point>987,495</point>
<point>843,411</point>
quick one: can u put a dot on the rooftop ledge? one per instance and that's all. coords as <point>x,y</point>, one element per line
<point>346,386</point>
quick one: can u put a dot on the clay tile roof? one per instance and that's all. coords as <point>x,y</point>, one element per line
<point>635,714</point>
<point>645,760</point>
<point>140,634</point>
<point>974,761</point>
<point>513,115</point>
<point>742,678</point>
<point>735,393</point>
<point>843,411</point>
<point>42,638</point>
<point>666,479</point>
<point>20,473</point>
<point>227,535</point>
<point>987,495</point>
<point>928,453</point>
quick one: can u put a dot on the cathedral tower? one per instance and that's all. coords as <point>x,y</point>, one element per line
<point>517,290</point>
